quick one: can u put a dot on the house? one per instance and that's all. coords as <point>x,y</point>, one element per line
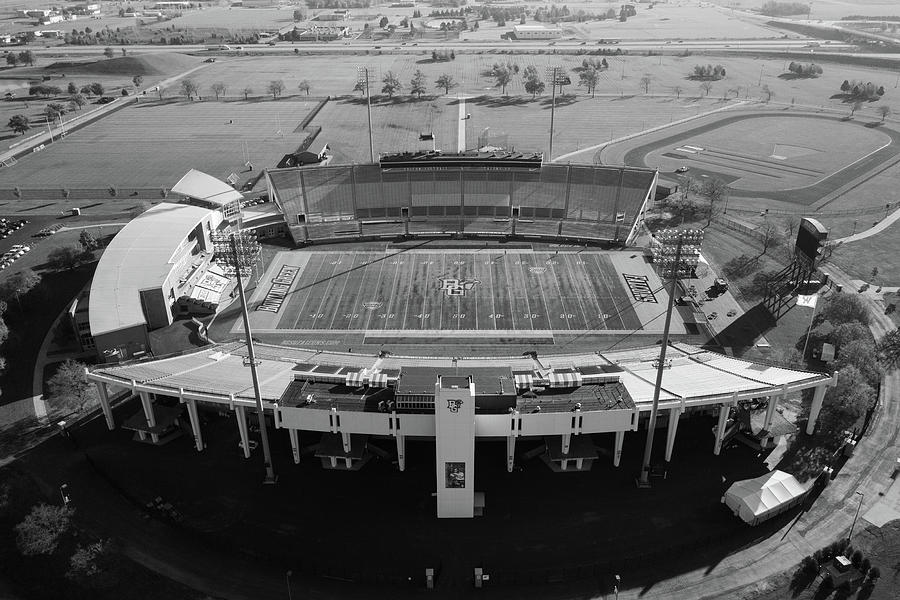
<point>536,32</point>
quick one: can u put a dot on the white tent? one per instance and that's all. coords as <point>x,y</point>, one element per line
<point>755,500</point>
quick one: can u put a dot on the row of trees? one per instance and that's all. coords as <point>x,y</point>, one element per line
<point>276,88</point>
<point>710,72</point>
<point>857,90</point>
<point>26,57</point>
<point>810,70</point>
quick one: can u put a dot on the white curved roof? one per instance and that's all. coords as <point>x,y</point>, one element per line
<point>137,259</point>
<point>695,374</point>
<point>197,184</point>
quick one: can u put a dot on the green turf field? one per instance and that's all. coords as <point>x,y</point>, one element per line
<point>457,291</point>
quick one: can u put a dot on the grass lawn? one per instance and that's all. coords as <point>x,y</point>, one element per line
<point>153,144</point>
<point>880,250</point>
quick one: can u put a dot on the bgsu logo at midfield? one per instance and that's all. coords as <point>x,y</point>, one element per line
<point>453,405</point>
<point>457,287</point>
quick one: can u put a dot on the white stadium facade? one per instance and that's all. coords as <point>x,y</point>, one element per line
<point>346,399</point>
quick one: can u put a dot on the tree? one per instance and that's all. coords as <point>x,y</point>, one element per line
<point>360,87</point>
<point>771,235</point>
<point>445,82</point>
<point>54,110</point>
<point>884,111</point>
<point>383,22</point>
<point>845,308</point>
<point>64,258</point>
<point>27,56</point>
<point>304,86</point>
<point>845,333</point>
<point>108,52</point>
<point>96,88</point>
<point>589,78</point>
<point>78,100</point>
<point>72,88</point>
<point>68,388</point>
<point>677,91</point>
<point>418,84</point>
<point>246,92</point>
<point>19,123</point>
<point>706,86</point>
<point>137,80</point>
<point>40,530</point>
<point>768,93</point>
<point>889,348</point>
<point>847,401</point>
<point>86,561</point>
<point>645,83</point>
<point>391,84</point>
<point>275,87</point>
<point>845,87</point>
<point>863,355</point>
<point>88,242</point>
<point>716,191</point>
<point>189,88</point>
<point>502,76</point>
<point>12,60</point>
<point>534,85</point>
<point>18,285</point>
<point>218,88</point>
<point>855,107</point>
<point>4,335</point>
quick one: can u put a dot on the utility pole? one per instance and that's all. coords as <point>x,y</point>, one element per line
<point>362,76</point>
<point>553,73</point>
<point>242,249</point>
<point>644,479</point>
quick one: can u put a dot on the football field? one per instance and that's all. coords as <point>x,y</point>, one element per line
<point>428,295</point>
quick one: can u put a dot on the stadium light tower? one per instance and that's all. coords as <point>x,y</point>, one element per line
<point>242,250</point>
<point>362,76</point>
<point>686,244</point>
<point>554,74</point>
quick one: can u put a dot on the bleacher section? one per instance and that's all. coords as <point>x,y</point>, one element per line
<point>435,194</point>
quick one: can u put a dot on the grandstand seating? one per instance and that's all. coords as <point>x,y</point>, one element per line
<point>597,203</point>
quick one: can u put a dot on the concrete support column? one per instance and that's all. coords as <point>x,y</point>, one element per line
<point>815,409</point>
<point>510,452</point>
<point>103,393</point>
<point>401,452</point>
<point>241,416</point>
<point>195,423</point>
<point>295,445</point>
<point>566,442</point>
<point>617,451</point>
<point>770,411</point>
<point>345,440</point>
<point>674,415</point>
<point>720,428</point>
<point>148,408</point>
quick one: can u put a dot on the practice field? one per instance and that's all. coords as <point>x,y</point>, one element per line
<point>153,145</point>
<point>765,153</point>
<point>427,295</point>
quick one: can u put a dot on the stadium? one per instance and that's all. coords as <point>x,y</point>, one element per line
<point>483,297</point>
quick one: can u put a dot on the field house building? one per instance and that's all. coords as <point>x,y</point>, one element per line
<point>349,398</point>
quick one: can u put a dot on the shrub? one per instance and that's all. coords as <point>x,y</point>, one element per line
<point>809,565</point>
<point>844,588</point>
<point>865,566</point>
<point>874,574</point>
<point>856,558</point>
<point>40,531</point>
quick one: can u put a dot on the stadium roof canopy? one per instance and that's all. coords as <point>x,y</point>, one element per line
<point>694,376</point>
<point>199,185</point>
<point>138,259</point>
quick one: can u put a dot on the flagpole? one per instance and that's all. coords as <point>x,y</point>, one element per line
<point>809,329</point>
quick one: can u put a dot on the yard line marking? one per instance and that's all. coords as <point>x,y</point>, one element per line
<point>441,297</point>
<point>585,277</point>
<point>490,272</point>
<point>461,126</point>
<point>393,298</point>
<point>577,293</point>
<point>308,289</point>
<point>412,275</point>
<point>376,288</point>
<point>355,308</point>
<point>618,311</point>
<point>325,293</point>
<point>424,295</point>
<point>337,306</point>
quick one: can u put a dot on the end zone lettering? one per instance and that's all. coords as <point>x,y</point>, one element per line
<point>281,285</point>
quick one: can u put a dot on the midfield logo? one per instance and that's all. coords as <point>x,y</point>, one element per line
<point>457,287</point>
<point>453,405</point>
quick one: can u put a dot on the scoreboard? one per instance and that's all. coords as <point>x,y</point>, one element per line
<point>811,238</point>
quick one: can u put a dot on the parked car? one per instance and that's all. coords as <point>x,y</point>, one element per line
<point>682,169</point>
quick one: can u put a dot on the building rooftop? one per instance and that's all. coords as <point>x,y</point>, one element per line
<point>200,186</point>
<point>138,258</point>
